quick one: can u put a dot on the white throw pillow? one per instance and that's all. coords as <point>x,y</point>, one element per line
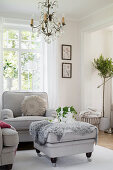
<point>33,106</point>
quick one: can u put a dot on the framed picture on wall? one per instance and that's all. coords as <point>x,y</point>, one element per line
<point>66,70</point>
<point>66,52</point>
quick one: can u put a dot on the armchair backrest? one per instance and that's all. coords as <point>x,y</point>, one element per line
<point>12,100</point>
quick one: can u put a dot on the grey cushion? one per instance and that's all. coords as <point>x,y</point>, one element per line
<point>13,100</point>
<point>23,123</point>
<point>10,137</point>
<point>70,136</point>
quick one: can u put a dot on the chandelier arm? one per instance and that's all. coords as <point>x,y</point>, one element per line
<point>37,26</point>
<point>41,4</point>
<point>42,13</point>
<point>44,33</point>
<point>54,3</point>
<point>57,29</point>
<point>57,25</point>
<point>53,13</point>
<point>47,33</point>
<point>50,32</point>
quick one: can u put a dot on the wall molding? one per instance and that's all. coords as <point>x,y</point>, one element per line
<point>96,12</point>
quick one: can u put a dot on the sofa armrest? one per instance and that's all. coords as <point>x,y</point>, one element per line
<point>1,142</point>
<point>51,113</point>
<point>6,114</point>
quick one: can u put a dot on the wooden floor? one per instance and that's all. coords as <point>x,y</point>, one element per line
<point>105,140</point>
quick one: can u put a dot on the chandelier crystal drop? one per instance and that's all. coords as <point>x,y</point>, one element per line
<point>49,25</point>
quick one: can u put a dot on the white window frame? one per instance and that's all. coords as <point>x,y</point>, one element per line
<point>19,50</point>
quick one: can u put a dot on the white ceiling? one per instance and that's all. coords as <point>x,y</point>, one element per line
<point>73,9</point>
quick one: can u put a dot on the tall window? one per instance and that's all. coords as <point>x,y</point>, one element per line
<point>21,60</point>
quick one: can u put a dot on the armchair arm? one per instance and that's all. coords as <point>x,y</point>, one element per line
<point>6,114</point>
<point>51,113</point>
<point>1,143</point>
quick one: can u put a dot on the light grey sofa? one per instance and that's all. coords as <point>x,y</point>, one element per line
<point>11,112</point>
<point>8,144</point>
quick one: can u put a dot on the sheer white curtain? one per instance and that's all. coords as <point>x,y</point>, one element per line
<point>51,73</point>
<point>1,65</point>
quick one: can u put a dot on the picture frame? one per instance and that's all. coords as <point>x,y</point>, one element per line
<point>66,70</point>
<point>66,52</point>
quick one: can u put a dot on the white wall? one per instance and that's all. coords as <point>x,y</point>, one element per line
<point>69,89</point>
<point>96,43</point>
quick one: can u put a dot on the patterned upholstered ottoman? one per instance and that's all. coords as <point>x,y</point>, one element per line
<point>57,139</point>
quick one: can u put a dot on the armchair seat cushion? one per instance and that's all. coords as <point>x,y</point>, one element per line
<point>23,123</point>
<point>10,137</point>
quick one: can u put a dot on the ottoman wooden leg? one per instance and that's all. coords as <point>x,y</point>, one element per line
<point>38,153</point>
<point>88,155</point>
<point>53,161</point>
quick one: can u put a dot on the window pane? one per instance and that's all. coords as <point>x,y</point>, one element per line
<point>30,70</point>
<point>34,37</point>
<point>35,45</point>
<point>25,35</point>
<point>26,79</point>
<point>10,70</point>
<point>11,39</point>
<point>25,45</point>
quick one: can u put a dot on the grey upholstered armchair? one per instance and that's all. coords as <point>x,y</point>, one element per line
<point>11,112</point>
<point>8,144</point>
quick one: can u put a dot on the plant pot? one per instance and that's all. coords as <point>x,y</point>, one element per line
<point>104,123</point>
<point>9,83</point>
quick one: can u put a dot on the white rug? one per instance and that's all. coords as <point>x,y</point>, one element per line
<point>102,159</point>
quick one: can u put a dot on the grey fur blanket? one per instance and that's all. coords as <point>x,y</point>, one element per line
<point>41,129</point>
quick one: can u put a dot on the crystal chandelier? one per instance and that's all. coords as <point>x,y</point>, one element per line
<point>49,25</point>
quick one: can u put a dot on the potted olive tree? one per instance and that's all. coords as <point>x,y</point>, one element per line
<point>105,68</point>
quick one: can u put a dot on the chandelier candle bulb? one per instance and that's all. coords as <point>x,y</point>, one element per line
<point>32,22</point>
<point>45,17</point>
<point>63,21</point>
